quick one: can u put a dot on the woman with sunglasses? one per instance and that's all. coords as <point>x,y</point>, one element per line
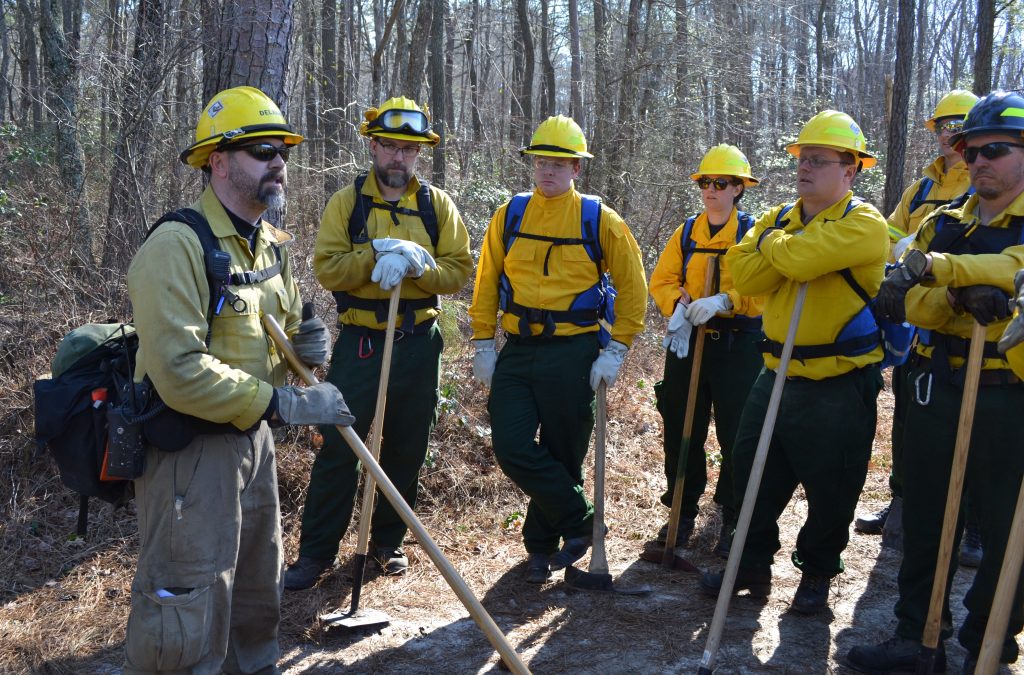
<point>731,359</point>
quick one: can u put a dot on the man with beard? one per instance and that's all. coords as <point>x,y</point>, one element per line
<point>960,269</point>
<point>386,227</point>
<point>205,598</point>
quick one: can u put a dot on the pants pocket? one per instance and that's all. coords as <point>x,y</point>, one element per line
<point>171,620</point>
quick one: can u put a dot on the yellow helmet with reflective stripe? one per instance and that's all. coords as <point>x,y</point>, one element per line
<point>725,160</point>
<point>956,103</point>
<point>836,130</point>
<point>400,118</point>
<point>233,115</point>
<point>557,136</point>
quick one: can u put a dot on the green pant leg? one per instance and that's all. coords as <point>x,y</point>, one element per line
<point>902,390</point>
<point>672,398</point>
<point>335,474</point>
<point>827,429</point>
<point>408,421</point>
<point>995,469</point>
<point>927,460</point>
<point>545,385</point>
<point>777,481</point>
<point>734,364</point>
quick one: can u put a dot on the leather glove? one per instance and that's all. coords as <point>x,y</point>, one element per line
<point>701,310</point>
<point>319,404</point>
<point>677,338</point>
<point>987,304</point>
<point>312,341</point>
<point>1014,333</point>
<point>606,365</point>
<point>901,246</point>
<point>484,360</point>
<point>419,258</point>
<point>389,271</point>
<point>892,296</point>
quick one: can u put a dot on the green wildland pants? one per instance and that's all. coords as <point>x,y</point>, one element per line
<point>822,440</point>
<point>544,383</point>
<point>408,420</point>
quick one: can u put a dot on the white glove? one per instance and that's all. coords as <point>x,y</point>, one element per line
<point>901,246</point>
<point>484,360</point>
<point>389,271</point>
<point>701,310</point>
<point>419,258</point>
<point>606,365</point>
<point>677,338</point>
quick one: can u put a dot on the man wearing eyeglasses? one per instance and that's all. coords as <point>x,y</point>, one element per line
<point>960,269</point>
<point>206,594</point>
<point>543,264</point>
<point>387,228</point>
<point>837,244</point>
<point>944,180</point>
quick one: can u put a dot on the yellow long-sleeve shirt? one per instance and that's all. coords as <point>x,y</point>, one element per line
<point>946,187</point>
<point>927,304</point>
<point>233,380</point>
<point>570,270</point>
<point>831,241</point>
<point>667,276</point>
<point>341,265</point>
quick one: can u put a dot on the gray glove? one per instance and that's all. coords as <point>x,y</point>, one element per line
<point>312,342</point>
<point>320,404</point>
<point>892,296</point>
<point>1014,333</point>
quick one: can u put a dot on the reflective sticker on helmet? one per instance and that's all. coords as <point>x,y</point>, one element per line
<point>233,133</point>
<point>1012,112</point>
<point>215,108</point>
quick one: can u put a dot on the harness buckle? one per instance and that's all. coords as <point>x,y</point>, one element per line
<point>713,333</point>
<point>928,392</point>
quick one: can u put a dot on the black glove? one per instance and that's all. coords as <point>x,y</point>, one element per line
<point>892,295</point>
<point>987,304</point>
<point>312,341</point>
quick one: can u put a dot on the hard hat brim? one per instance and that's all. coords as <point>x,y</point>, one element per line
<point>198,155</point>
<point>568,154</point>
<point>431,139</point>
<point>866,161</point>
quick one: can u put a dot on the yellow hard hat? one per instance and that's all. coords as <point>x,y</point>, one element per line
<point>557,136</point>
<point>956,103</point>
<point>232,115</point>
<point>836,130</point>
<point>399,118</point>
<point>725,160</point>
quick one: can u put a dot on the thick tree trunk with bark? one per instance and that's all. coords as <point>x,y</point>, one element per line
<point>900,101</point>
<point>438,89</point>
<point>418,50</point>
<point>983,50</point>
<point>575,66</point>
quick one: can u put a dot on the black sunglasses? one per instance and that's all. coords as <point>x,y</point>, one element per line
<point>720,183</point>
<point>262,152</point>
<point>990,151</point>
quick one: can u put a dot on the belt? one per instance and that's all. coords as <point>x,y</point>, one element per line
<point>546,339</point>
<point>419,329</point>
<point>999,376</point>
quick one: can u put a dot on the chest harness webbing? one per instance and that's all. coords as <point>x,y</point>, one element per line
<point>358,234</point>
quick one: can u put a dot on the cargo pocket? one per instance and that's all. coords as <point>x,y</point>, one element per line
<point>170,623</point>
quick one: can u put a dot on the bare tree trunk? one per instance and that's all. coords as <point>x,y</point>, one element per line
<point>31,96</point>
<point>62,97</point>
<point>923,68</point>
<point>547,98</point>
<point>901,96</point>
<point>6,94</point>
<point>983,51</point>
<point>418,50</point>
<point>521,108</point>
<point>378,53</point>
<point>331,102</point>
<point>576,66</point>
<point>246,42</point>
<point>603,97</point>
<point>474,85</point>
<point>438,87</point>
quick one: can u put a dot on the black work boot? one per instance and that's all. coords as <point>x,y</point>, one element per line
<point>757,582</point>
<point>874,523</point>
<point>683,532</point>
<point>892,533</point>
<point>305,572</point>
<point>538,568</point>
<point>812,594</point>
<point>894,655</point>
<point>725,535</point>
<point>572,550</point>
<point>970,547</point>
<point>392,560</point>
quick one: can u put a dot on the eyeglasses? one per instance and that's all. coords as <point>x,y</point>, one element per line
<point>952,126</point>
<point>401,120</point>
<point>816,162</point>
<point>553,164</point>
<point>720,183</point>
<point>261,152</point>
<point>990,151</point>
<point>394,150</point>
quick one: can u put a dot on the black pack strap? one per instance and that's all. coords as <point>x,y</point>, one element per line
<point>406,307</point>
<point>954,345</point>
<point>549,317</point>
<point>251,277</point>
<point>857,288</point>
<point>743,324</point>
<point>803,352</point>
<point>357,230</point>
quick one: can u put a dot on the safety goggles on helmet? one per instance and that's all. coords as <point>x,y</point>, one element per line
<point>720,184</point>
<point>953,126</point>
<point>395,120</point>
<point>990,151</point>
<point>261,152</point>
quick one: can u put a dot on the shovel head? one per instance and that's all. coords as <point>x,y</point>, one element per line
<point>357,619</point>
<point>655,552</point>
<point>595,581</point>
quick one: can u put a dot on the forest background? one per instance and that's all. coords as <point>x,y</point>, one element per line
<point>98,97</point>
